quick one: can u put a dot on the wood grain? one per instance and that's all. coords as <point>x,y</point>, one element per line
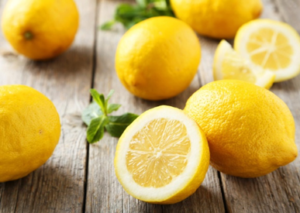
<point>278,191</point>
<point>58,186</point>
<point>289,12</point>
<point>104,193</point>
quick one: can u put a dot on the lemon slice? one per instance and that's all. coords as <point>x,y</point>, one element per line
<point>270,45</point>
<point>162,157</point>
<point>228,64</point>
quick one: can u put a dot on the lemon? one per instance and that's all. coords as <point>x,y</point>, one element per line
<point>217,18</point>
<point>29,131</point>
<point>162,157</point>
<point>228,64</point>
<point>158,58</point>
<point>40,29</point>
<point>270,45</point>
<point>250,131</point>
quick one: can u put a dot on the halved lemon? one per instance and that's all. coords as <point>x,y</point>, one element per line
<point>228,64</point>
<point>162,157</point>
<point>270,45</point>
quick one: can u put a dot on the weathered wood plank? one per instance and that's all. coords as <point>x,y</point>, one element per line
<point>289,11</point>
<point>58,186</point>
<point>280,190</point>
<point>104,193</point>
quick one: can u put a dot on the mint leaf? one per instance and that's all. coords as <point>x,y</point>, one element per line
<point>117,124</point>
<point>111,92</point>
<point>129,15</point>
<point>142,3</point>
<point>113,107</point>
<point>96,117</point>
<point>108,25</point>
<point>161,5</point>
<point>95,130</point>
<point>91,112</point>
<point>98,98</point>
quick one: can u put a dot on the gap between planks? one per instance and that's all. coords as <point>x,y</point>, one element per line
<point>104,193</point>
<point>94,64</point>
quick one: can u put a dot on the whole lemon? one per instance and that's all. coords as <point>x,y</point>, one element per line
<point>158,58</point>
<point>40,29</point>
<point>218,18</point>
<point>29,131</point>
<point>250,131</point>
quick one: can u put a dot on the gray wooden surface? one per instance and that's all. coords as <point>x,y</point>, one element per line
<point>80,177</point>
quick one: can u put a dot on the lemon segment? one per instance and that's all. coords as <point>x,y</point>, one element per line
<point>270,45</point>
<point>162,157</point>
<point>228,64</point>
<point>159,152</point>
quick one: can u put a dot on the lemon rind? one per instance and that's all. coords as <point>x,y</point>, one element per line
<point>222,48</point>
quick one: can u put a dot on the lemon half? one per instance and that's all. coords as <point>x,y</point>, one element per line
<point>270,45</point>
<point>228,64</point>
<point>162,157</point>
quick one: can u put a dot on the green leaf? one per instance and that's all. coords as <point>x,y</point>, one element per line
<point>91,112</point>
<point>108,25</point>
<point>111,92</point>
<point>161,5</point>
<point>142,3</point>
<point>101,96</point>
<point>113,107</point>
<point>95,116</point>
<point>117,124</point>
<point>129,15</point>
<point>99,99</point>
<point>95,130</point>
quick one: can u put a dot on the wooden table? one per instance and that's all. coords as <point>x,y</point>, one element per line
<point>80,177</point>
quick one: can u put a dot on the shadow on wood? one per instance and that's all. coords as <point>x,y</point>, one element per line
<point>197,202</point>
<point>44,190</point>
<point>271,191</point>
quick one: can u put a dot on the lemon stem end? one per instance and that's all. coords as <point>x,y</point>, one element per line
<point>28,35</point>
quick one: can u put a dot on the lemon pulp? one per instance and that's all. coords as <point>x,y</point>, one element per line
<point>228,64</point>
<point>236,62</point>
<point>158,152</point>
<point>270,45</point>
<point>270,49</point>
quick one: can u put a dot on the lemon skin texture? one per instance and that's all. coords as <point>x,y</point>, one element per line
<point>158,58</point>
<point>218,18</point>
<point>250,131</point>
<point>39,29</point>
<point>29,131</point>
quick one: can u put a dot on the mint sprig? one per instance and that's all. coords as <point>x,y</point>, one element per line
<point>129,15</point>
<point>96,117</point>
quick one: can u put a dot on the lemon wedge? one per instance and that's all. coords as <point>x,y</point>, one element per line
<point>162,157</point>
<point>228,64</point>
<point>270,45</point>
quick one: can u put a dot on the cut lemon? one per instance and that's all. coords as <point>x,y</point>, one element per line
<point>162,157</point>
<point>228,64</point>
<point>270,45</point>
